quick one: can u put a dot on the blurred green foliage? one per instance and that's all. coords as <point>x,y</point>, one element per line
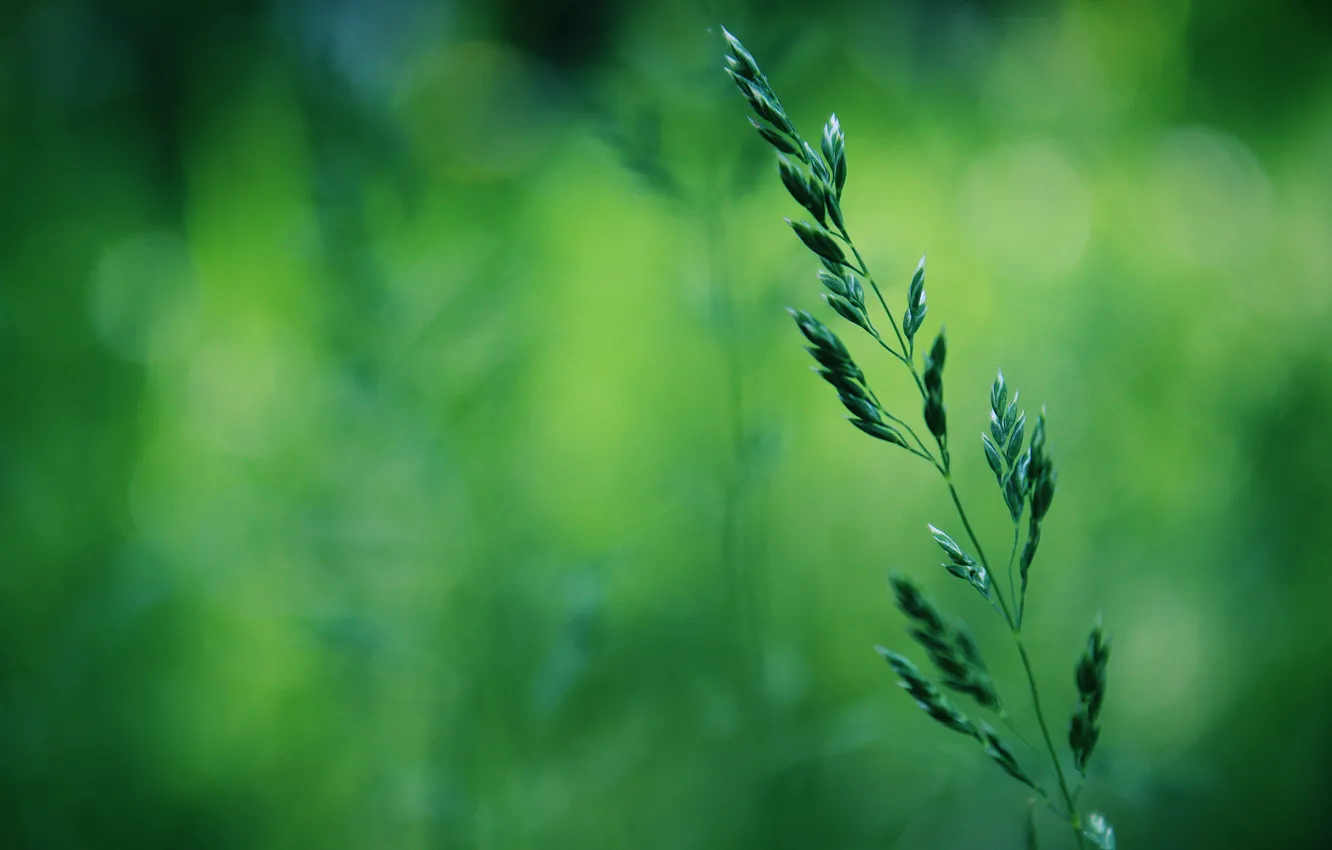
<point>403,444</point>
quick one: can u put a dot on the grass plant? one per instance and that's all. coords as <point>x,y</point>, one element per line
<point>1019,456</point>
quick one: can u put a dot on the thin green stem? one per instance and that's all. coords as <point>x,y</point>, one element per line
<point>1050,804</point>
<point>864,270</point>
<point>1007,719</point>
<point>919,454</point>
<point>1073,820</point>
<point>1070,805</point>
<point>1032,529</point>
<point>907,357</point>
<point>908,351</point>
<point>888,348</point>
<point>975,541</point>
<point>907,428</point>
<point>923,452</point>
<point>882,301</point>
<point>1012,555</point>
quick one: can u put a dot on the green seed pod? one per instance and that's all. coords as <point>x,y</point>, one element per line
<point>846,310</point>
<point>828,359</point>
<point>934,363</point>
<point>951,549</point>
<point>817,333</point>
<point>834,151</point>
<point>1089,674</point>
<point>1011,414</point>
<point>835,283</point>
<point>1042,494</point>
<point>879,430</point>
<point>816,163</point>
<point>820,205</point>
<point>936,418</point>
<point>831,204</point>
<point>935,704</point>
<point>939,351</point>
<point>1014,446</point>
<point>777,140</point>
<point>997,750</point>
<point>860,407</point>
<point>832,139</point>
<point>743,57</point>
<point>818,240</point>
<point>768,109</point>
<point>800,188</point>
<point>839,380</point>
<point>1099,832</point>
<point>992,458</point>
<point>1023,471</point>
<point>915,311</point>
<point>855,293</point>
<point>737,76</point>
<point>998,394</point>
<point>997,430</point>
<point>1013,496</point>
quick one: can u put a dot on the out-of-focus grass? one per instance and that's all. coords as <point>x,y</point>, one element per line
<point>415,452</point>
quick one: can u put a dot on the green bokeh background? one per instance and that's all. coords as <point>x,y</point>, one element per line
<point>403,443</point>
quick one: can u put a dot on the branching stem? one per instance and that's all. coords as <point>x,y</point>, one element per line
<point>755,87</point>
<point>1069,813</point>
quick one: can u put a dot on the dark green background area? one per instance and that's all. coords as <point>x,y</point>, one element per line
<point>403,442</point>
